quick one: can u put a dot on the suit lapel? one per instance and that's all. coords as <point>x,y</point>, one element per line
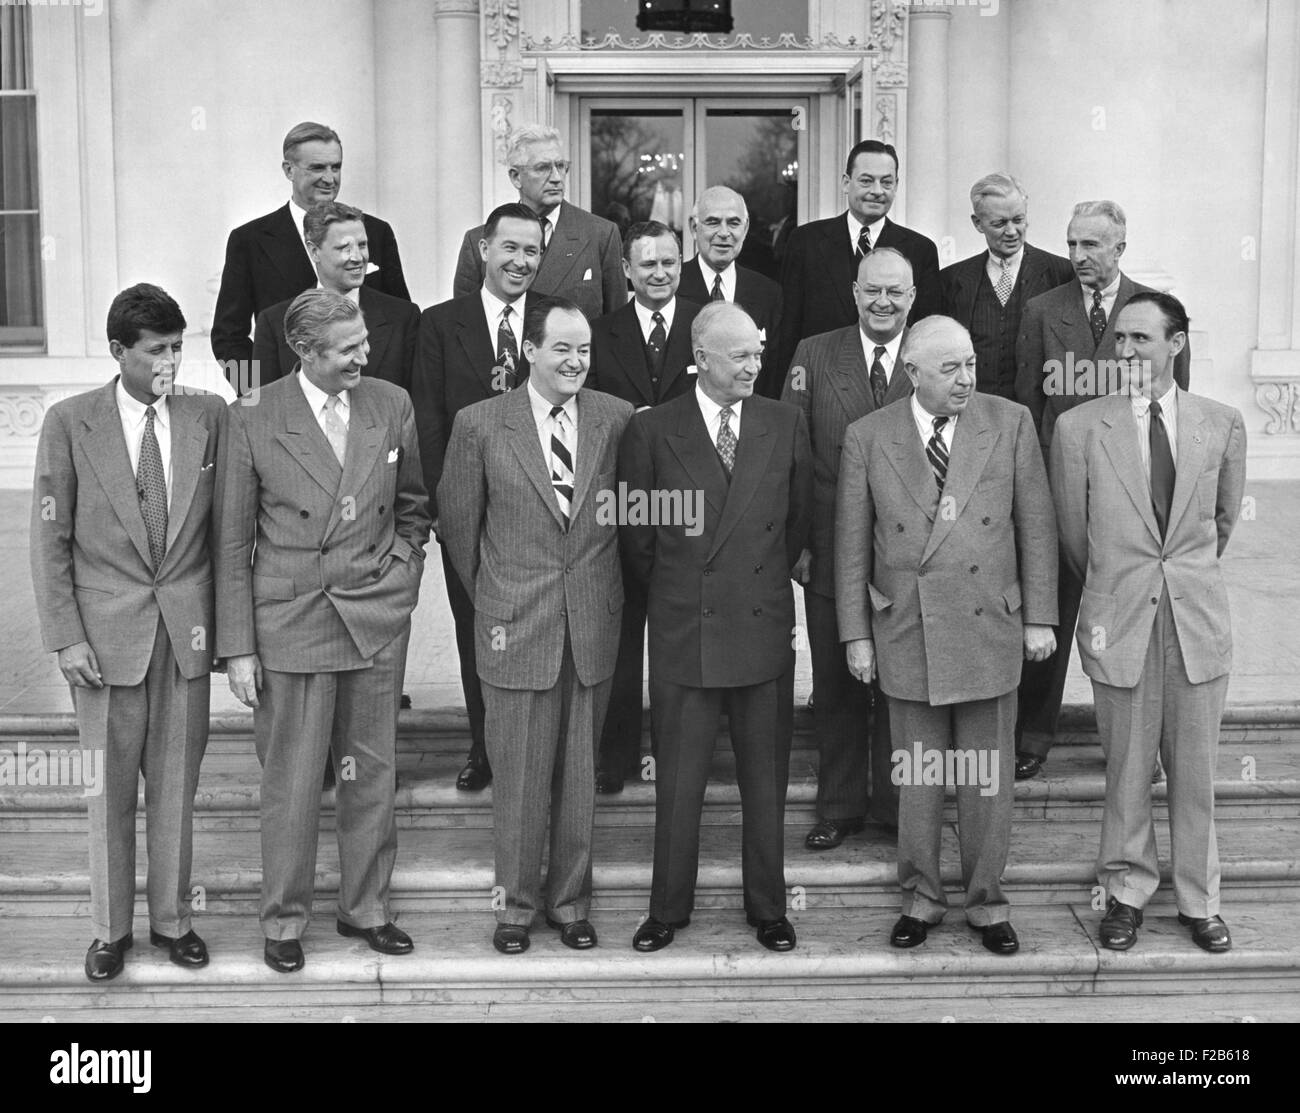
<point>852,378</point>
<point>1192,449</point>
<point>695,452</point>
<point>303,439</point>
<point>283,246</point>
<point>365,441</point>
<point>1072,322</point>
<point>1032,270</point>
<point>477,344</point>
<point>968,281</point>
<point>1127,288</point>
<point>379,328</point>
<point>753,451</point>
<point>629,350</point>
<point>907,456</point>
<point>676,351</point>
<point>189,441</point>
<point>837,257</point>
<point>973,440</point>
<point>591,427</point>
<point>528,450</point>
<point>562,252</point>
<point>1120,442</point>
<point>106,451</point>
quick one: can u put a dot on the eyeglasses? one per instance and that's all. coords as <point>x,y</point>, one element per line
<point>871,293</point>
<point>560,164</point>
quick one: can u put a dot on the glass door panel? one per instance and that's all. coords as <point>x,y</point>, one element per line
<point>639,157</point>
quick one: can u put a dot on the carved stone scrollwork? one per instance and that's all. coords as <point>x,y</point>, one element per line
<point>885,115</point>
<point>888,19</point>
<point>499,117</point>
<point>502,19</point>
<point>21,414</point>
<point>891,75</point>
<point>500,75</point>
<point>657,40</point>
<point>1281,401</point>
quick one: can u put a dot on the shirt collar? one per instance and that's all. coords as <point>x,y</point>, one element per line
<point>296,214</point>
<point>354,296</point>
<point>316,397</point>
<point>710,409</point>
<point>1107,292</point>
<point>542,408</point>
<point>1141,403</point>
<point>855,229</point>
<point>552,218</point>
<point>891,346</point>
<point>493,306</point>
<point>728,274</point>
<point>645,315</point>
<point>134,411</point>
<point>1014,262</point>
<point>926,418</point>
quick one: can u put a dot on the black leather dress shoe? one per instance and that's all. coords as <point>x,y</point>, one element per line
<point>1210,934</point>
<point>908,932</point>
<point>510,939</point>
<point>387,940</point>
<point>104,960</point>
<point>1119,927</point>
<point>284,956</point>
<point>189,950</point>
<point>475,777</point>
<point>999,938</point>
<point>579,935</point>
<point>1027,765</point>
<point>654,935</point>
<point>608,784</point>
<point>827,834</point>
<point>775,935</point>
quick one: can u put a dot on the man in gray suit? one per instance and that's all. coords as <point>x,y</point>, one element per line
<point>582,254</point>
<point>523,510</point>
<point>321,534</point>
<point>1148,485</point>
<point>945,579</point>
<point>120,556</point>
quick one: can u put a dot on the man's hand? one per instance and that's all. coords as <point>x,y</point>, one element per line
<point>80,667</point>
<point>245,676</point>
<point>802,570</point>
<point>861,655</point>
<point>1040,642</point>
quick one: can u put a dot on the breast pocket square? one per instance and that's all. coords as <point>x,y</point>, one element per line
<point>762,335</point>
<point>392,455</point>
<point>208,467</point>
<point>587,277</point>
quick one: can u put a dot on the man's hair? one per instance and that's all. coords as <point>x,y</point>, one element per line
<point>525,135</point>
<point>1108,209</point>
<point>996,184</point>
<point>306,132</point>
<point>316,223</point>
<point>540,312</point>
<point>1175,315</point>
<point>870,147</point>
<point>311,313</point>
<point>143,307</point>
<point>705,318</point>
<point>513,211</point>
<point>876,251</point>
<point>921,333</point>
<point>695,209</point>
<point>651,229</point>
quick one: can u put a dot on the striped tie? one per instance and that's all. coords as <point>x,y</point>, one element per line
<point>561,463</point>
<point>937,454</point>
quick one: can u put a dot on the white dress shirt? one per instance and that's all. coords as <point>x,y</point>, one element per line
<point>132,414</point>
<point>493,307</point>
<point>297,213</point>
<point>888,361</point>
<point>993,268</point>
<point>1107,298</point>
<point>645,316</point>
<point>353,295</point>
<point>709,274</point>
<point>317,398</point>
<point>710,410</point>
<point>855,230</point>
<point>1168,413</point>
<point>546,424</point>
<point>925,425</point>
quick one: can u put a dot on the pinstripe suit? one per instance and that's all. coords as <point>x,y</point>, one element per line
<point>547,605</point>
<point>151,633</point>
<point>318,572</point>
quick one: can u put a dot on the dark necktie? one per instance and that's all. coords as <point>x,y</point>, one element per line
<point>546,232</point>
<point>654,349</point>
<point>561,463</point>
<point>717,294</point>
<point>879,384</point>
<point>151,483</point>
<point>726,440</point>
<point>937,454</point>
<point>1097,318</point>
<point>864,244</point>
<point>1162,468</point>
<point>507,348</point>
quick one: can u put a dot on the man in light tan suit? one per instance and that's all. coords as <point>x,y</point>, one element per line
<point>321,535</point>
<point>523,508</point>
<point>1146,535</point>
<point>945,580</point>
<point>121,508</point>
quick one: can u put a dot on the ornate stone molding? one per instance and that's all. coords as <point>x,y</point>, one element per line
<point>658,40</point>
<point>1281,401</point>
<point>499,120</point>
<point>21,414</point>
<point>454,7</point>
<point>502,20</point>
<point>500,75</point>
<point>891,75</point>
<point>888,20</point>
<point>884,119</point>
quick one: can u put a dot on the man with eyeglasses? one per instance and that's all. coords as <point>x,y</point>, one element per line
<point>835,379</point>
<point>581,253</point>
<point>821,257</point>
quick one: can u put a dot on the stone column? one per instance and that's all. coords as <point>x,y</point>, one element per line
<point>458,177</point>
<point>925,161</point>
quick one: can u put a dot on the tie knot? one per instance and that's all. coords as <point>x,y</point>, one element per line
<point>332,402</point>
<point>880,351</point>
<point>1155,408</point>
<point>657,317</point>
<point>505,313</point>
<point>724,414</point>
<point>939,423</point>
<point>557,412</point>
<point>148,415</point>
<point>1096,297</point>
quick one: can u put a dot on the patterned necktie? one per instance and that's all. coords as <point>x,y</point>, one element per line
<point>336,432</point>
<point>1097,318</point>
<point>546,232</point>
<point>717,294</point>
<point>937,454</point>
<point>151,483</point>
<point>561,463</point>
<point>879,384</point>
<point>864,244</point>
<point>1162,468</point>
<point>726,440</point>
<point>507,348</point>
<point>654,349</point>
<point>1003,288</point>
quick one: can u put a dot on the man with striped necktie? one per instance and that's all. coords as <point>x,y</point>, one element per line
<point>945,580</point>
<point>518,508</point>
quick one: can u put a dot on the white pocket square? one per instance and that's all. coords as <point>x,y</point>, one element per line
<point>762,335</point>
<point>392,456</point>
<point>371,268</point>
<point>208,467</point>
<point>692,370</point>
<point>587,277</point>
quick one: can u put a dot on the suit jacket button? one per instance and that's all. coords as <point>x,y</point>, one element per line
<point>327,589</point>
<point>1154,600</point>
<point>304,514</point>
<point>324,550</point>
<point>371,549</point>
<point>708,612</point>
<point>770,527</point>
<point>758,610</point>
<point>376,573</point>
<point>900,527</point>
<point>920,571</point>
<point>979,610</point>
<point>974,568</point>
<point>757,569</point>
<point>985,521</point>
<point>382,509</point>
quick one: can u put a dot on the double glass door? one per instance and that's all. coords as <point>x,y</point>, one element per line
<point>648,158</point>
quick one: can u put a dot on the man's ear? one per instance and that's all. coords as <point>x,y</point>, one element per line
<point>1178,341</point>
<point>975,223</point>
<point>117,350</point>
<point>287,167</point>
<point>1119,248</point>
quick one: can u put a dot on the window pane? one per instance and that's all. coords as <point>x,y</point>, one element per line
<point>17,153</point>
<point>637,165</point>
<point>20,280</point>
